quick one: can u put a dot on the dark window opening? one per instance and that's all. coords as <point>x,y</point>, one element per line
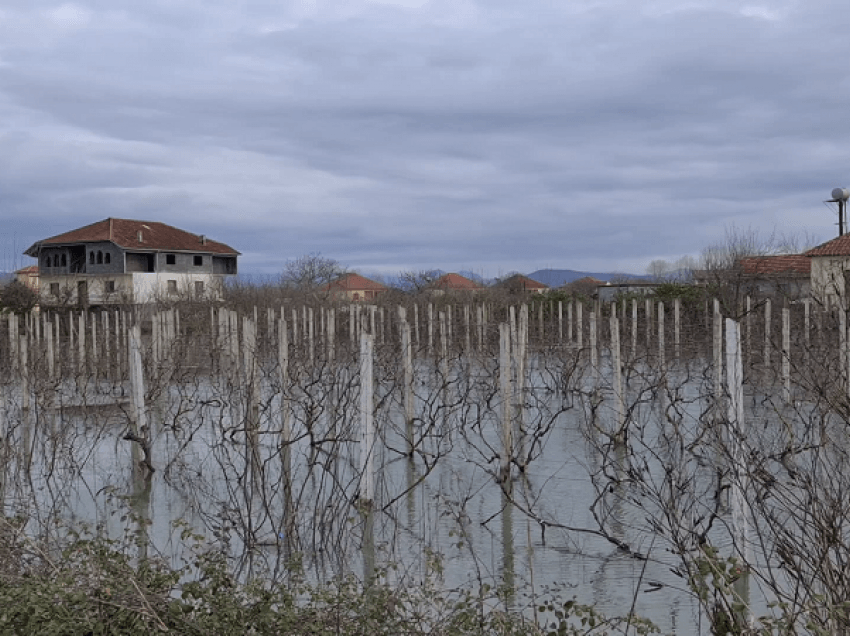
<point>199,260</point>
<point>170,259</point>
<point>107,258</point>
<point>91,258</point>
<point>54,289</point>
<point>109,286</point>
<point>64,261</point>
<point>99,257</point>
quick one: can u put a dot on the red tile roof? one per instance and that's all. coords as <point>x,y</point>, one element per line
<point>781,264</point>
<point>125,233</point>
<point>836,247</point>
<point>587,280</point>
<point>454,281</point>
<point>528,284</point>
<point>32,270</point>
<point>354,282</point>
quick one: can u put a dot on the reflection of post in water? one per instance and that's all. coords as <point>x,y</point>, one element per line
<point>367,515</point>
<point>411,492</point>
<point>506,385</point>
<point>616,509</point>
<point>285,438</point>
<point>508,584</point>
<point>140,501</point>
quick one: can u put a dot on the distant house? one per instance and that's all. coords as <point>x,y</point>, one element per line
<point>454,283</point>
<point>830,270</point>
<point>28,276</point>
<point>785,275</point>
<point>125,261</point>
<point>585,286</point>
<point>606,292</point>
<point>518,283</point>
<point>354,287</point>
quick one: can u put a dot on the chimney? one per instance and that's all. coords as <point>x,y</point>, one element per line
<point>203,239</point>
<point>139,236</point>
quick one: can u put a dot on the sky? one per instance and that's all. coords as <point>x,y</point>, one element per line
<point>397,135</point>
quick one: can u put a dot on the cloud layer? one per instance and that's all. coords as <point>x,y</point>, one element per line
<point>404,134</point>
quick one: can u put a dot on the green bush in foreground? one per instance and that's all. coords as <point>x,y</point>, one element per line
<point>93,587</point>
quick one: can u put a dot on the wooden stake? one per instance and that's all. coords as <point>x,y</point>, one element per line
<point>507,396</point>
<point>367,421</point>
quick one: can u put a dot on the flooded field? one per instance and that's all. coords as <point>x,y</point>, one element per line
<point>649,470</point>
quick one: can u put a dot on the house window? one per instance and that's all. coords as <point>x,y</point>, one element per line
<point>99,257</point>
<point>109,287</point>
<point>170,259</point>
<point>172,287</point>
<point>64,261</point>
<point>54,289</point>
<point>91,258</point>
<point>199,288</point>
<point>107,258</point>
<point>47,261</point>
<point>199,260</point>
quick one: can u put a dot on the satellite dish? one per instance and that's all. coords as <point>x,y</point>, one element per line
<point>840,196</point>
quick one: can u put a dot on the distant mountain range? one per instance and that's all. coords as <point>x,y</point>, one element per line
<point>559,277</point>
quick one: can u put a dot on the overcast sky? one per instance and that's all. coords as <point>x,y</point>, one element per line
<point>391,135</point>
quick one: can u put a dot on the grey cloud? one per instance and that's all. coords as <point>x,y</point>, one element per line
<point>381,135</point>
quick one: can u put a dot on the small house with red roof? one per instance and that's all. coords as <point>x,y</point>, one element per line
<point>787,275</point>
<point>585,286</point>
<point>127,261</point>
<point>830,270</point>
<point>354,287</point>
<point>519,283</point>
<point>454,284</point>
<point>28,276</point>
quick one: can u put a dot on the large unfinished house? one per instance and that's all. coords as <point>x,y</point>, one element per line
<point>121,261</point>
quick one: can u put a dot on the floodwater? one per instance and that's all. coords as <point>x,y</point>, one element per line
<point>442,516</point>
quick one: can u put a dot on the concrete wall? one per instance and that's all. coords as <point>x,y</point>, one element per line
<point>828,279</point>
<point>155,287</point>
<point>184,263</point>
<point>68,288</point>
<point>133,288</point>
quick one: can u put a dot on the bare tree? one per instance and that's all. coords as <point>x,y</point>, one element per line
<point>310,272</point>
<point>18,297</point>
<point>417,281</point>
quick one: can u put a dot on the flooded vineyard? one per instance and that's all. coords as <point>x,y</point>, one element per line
<point>675,462</point>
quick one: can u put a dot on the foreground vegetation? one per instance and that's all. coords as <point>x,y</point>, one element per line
<point>92,586</point>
